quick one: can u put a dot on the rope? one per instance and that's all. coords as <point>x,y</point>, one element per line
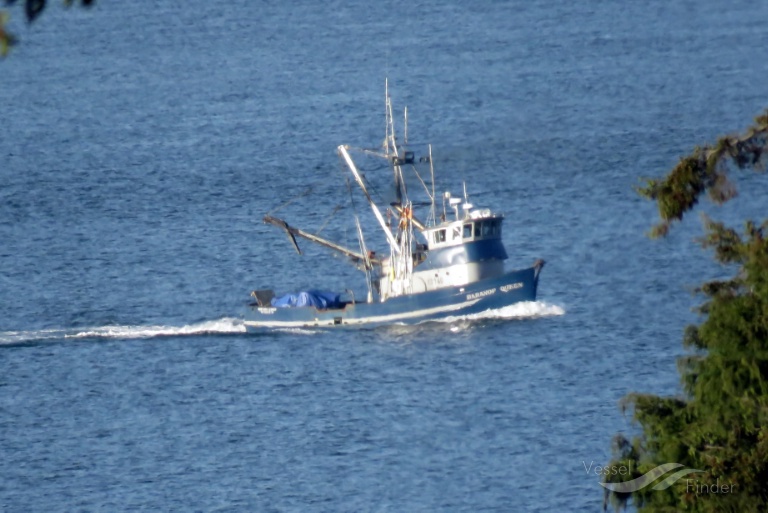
<point>422,183</point>
<point>372,189</point>
<point>300,195</point>
<point>335,209</point>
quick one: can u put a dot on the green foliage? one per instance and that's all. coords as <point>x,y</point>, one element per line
<point>720,425</point>
<point>32,10</point>
<point>706,170</point>
<point>7,39</point>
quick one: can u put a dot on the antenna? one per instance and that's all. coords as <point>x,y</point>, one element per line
<point>467,206</point>
<point>405,130</point>
<point>432,177</point>
<point>390,140</point>
<point>386,116</point>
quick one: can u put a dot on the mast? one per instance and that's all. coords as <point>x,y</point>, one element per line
<point>391,150</point>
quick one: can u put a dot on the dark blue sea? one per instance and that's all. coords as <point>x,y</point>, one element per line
<point>142,142</point>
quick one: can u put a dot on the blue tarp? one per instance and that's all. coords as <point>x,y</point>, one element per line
<point>320,299</point>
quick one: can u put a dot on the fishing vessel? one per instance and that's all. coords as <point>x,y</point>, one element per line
<point>451,263</point>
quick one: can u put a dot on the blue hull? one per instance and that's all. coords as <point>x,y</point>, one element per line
<point>510,288</point>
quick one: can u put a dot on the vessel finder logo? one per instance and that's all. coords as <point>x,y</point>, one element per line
<point>649,477</point>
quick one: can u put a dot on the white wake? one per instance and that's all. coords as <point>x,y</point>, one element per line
<point>225,325</point>
<point>219,326</point>
<point>523,310</point>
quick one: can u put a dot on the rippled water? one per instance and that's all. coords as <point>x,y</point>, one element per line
<point>142,143</point>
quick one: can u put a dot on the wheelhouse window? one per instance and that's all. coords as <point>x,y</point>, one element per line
<point>439,236</point>
<point>484,229</point>
<point>489,228</point>
<point>456,232</point>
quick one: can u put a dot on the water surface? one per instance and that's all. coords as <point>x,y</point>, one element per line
<point>141,145</point>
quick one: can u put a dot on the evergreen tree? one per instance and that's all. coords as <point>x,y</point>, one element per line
<point>720,424</point>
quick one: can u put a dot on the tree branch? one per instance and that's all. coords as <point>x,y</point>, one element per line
<point>706,170</point>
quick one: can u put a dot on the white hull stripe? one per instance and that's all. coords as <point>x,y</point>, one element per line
<point>362,320</point>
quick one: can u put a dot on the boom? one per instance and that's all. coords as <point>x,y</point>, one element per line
<point>292,232</point>
<point>350,163</point>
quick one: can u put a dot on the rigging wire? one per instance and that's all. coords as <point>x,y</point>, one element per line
<point>371,188</point>
<point>291,200</point>
<point>416,172</point>
<point>373,169</point>
<point>351,201</point>
<point>330,216</point>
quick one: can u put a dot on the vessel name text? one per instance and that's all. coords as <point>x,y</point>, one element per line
<point>480,294</point>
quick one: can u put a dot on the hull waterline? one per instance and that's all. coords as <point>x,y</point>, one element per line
<point>505,290</point>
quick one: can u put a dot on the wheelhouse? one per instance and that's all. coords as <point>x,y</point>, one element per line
<point>460,232</point>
